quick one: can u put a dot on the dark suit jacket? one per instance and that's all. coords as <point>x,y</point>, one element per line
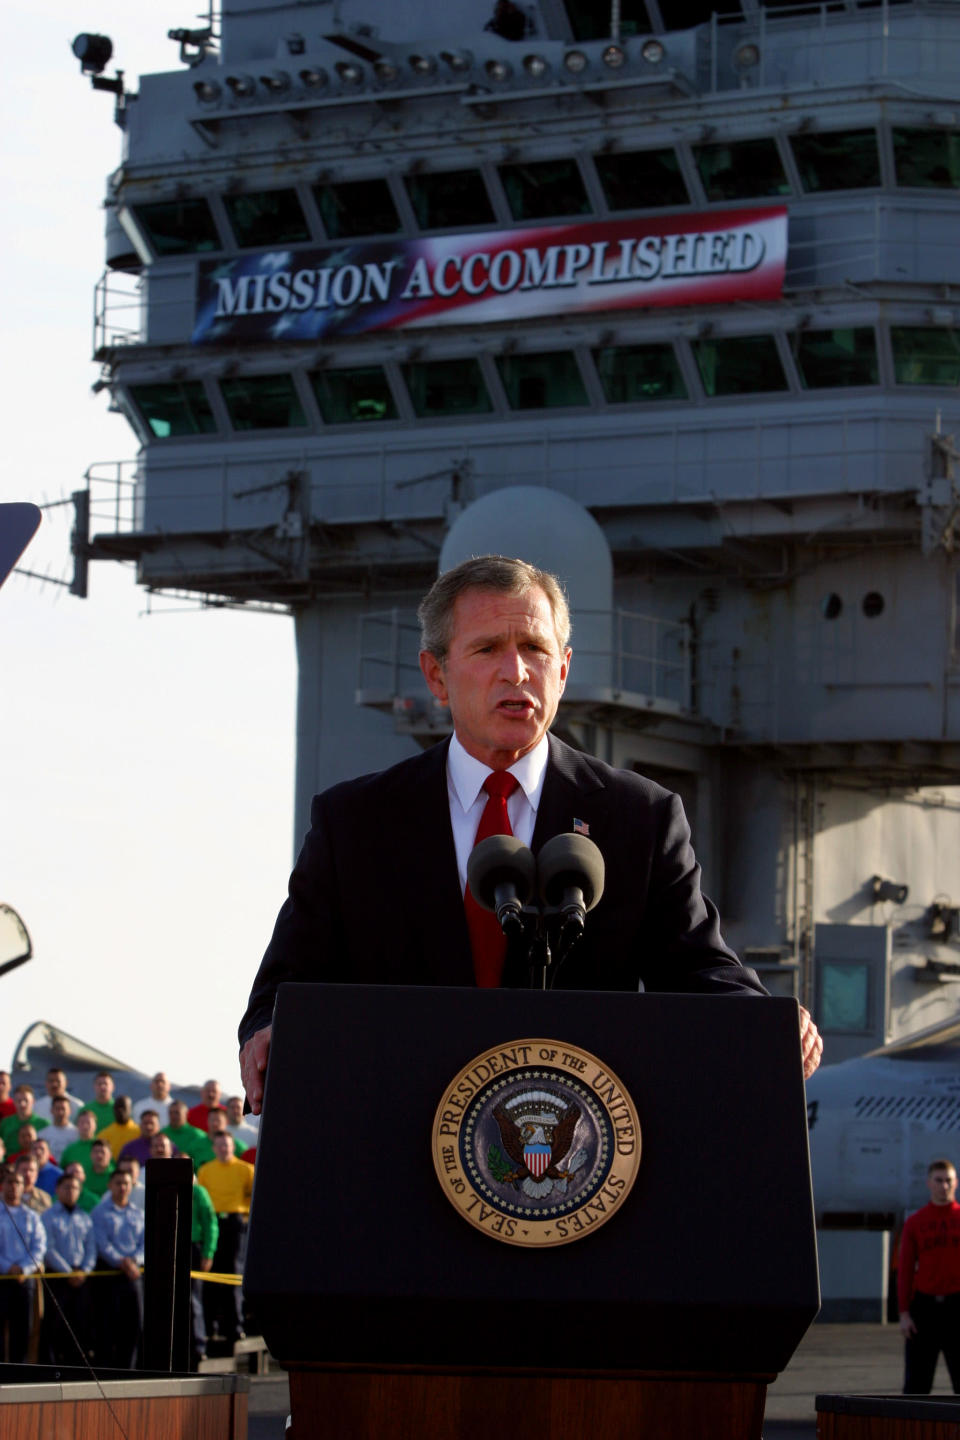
<point>375,895</point>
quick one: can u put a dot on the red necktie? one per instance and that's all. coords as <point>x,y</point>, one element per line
<point>487,940</point>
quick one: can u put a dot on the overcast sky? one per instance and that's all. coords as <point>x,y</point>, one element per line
<point>147,759</point>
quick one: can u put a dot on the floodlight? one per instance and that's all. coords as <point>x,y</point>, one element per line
<point>93,52</point>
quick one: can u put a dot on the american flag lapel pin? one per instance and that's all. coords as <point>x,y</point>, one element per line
<point>580,827</point>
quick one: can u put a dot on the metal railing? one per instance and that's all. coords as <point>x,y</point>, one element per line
<point>116,500</point>
<point>119,311</point>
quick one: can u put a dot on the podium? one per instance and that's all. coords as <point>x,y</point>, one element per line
<point>395,1316</point>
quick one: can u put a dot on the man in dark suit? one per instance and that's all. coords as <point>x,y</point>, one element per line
<point>377,892</point>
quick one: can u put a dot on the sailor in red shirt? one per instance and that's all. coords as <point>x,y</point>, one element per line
<point>929,1283</point>
<point>7,1106</point>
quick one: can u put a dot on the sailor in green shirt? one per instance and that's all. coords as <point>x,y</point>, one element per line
<point>79,1150</point>
<point>88,1200</point>
<point>101,1168</point>
<point>23,1115</point>
<point>102,1102</point>
<point>187,1138</point>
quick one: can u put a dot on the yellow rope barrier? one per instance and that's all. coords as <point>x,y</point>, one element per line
<point>216,1279</point>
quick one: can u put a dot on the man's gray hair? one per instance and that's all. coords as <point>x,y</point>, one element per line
<point>486,572</point>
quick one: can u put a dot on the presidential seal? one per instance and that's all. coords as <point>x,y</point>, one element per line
<point>536,1143</point>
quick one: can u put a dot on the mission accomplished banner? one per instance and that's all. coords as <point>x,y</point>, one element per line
<point>493,276</point>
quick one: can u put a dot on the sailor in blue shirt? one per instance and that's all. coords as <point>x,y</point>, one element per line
<point>47,1172</point>
<point>22,1244</point>
<point>71,1250</point>
<point>118,1300</point>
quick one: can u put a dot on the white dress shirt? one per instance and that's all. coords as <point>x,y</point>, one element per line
<point>465,777</point>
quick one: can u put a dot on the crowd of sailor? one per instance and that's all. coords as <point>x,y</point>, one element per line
<point>72,1216</point>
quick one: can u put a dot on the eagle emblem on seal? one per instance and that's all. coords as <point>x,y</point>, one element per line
<point>537,1128</point>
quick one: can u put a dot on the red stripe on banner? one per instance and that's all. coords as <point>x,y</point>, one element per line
<point>615,265</point>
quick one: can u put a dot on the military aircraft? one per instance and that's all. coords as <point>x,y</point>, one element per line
<point>876,1123</point>
<point>44,1046</point>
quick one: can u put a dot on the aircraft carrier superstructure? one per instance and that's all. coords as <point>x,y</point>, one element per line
<point>664,297</point>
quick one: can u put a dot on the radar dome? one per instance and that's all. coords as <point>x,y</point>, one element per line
<point>555,533</point>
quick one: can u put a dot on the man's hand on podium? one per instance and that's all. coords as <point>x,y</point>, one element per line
<point>253,1066</point>
<point>811,1046</point>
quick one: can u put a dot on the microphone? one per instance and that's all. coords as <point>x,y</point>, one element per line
<point>571,878</point>
<point>502,874</point>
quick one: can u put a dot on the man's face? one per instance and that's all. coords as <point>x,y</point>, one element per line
<point>503,674</point>
<point>27,1167</point>
<point>223,1147</point>
<point>26,1135</point>
<point>121,1109</point>
<point>56,1083</point>
<point>13,1187</point>
<point>100,1158</point>
<point>120,1187</point>
<point>87,1125</point>
<point>160,1147</point>
<point>211,1092</point>
<point>103,1088</point>
<point>160,1086</point>
<point>178,1113</point>
<point>942,1184</point>
<point>61,1112</point>
<point>41,1152</point>
<point>216,1122</point>
<point>235,1110</point>
<point>68,1191</point>
<point>149,1125</point>
<point>23,1100</point>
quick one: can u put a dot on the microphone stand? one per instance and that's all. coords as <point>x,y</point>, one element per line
<point>539,957</point>
<point>539,953</point>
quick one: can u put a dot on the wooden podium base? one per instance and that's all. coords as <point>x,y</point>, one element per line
<point>405,1403</point>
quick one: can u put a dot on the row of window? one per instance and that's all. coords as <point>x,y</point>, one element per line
<point>554,189</point>
<point>628,375</point>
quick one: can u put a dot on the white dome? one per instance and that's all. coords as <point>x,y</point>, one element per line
<point>546,529</point>
<point>554,533</point>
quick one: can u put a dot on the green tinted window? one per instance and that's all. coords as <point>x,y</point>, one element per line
<point>844,160</point>
<point>739,365</point>
<point>541,188</point>
<point>447,387</point>
<point>924,355</point>
<point>270,217</point>
<point>741,171</point>
<point>836,357</point>
<point>458,197</point>
<point>175,409</point>
<point>590,21</point>
<point>348,397</point>
<point>927,159</point>
<point>629,373</point>
<point>178,227</point>
<point>357,207</point>
<point>538,382</point>
<point>844,998</point>
<point>262,402</point>
<point>641,179</point>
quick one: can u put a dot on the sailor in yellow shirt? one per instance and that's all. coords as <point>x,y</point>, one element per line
<point>229,1183</point>
<point>123,1128</point>
<point>228,1179</point>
